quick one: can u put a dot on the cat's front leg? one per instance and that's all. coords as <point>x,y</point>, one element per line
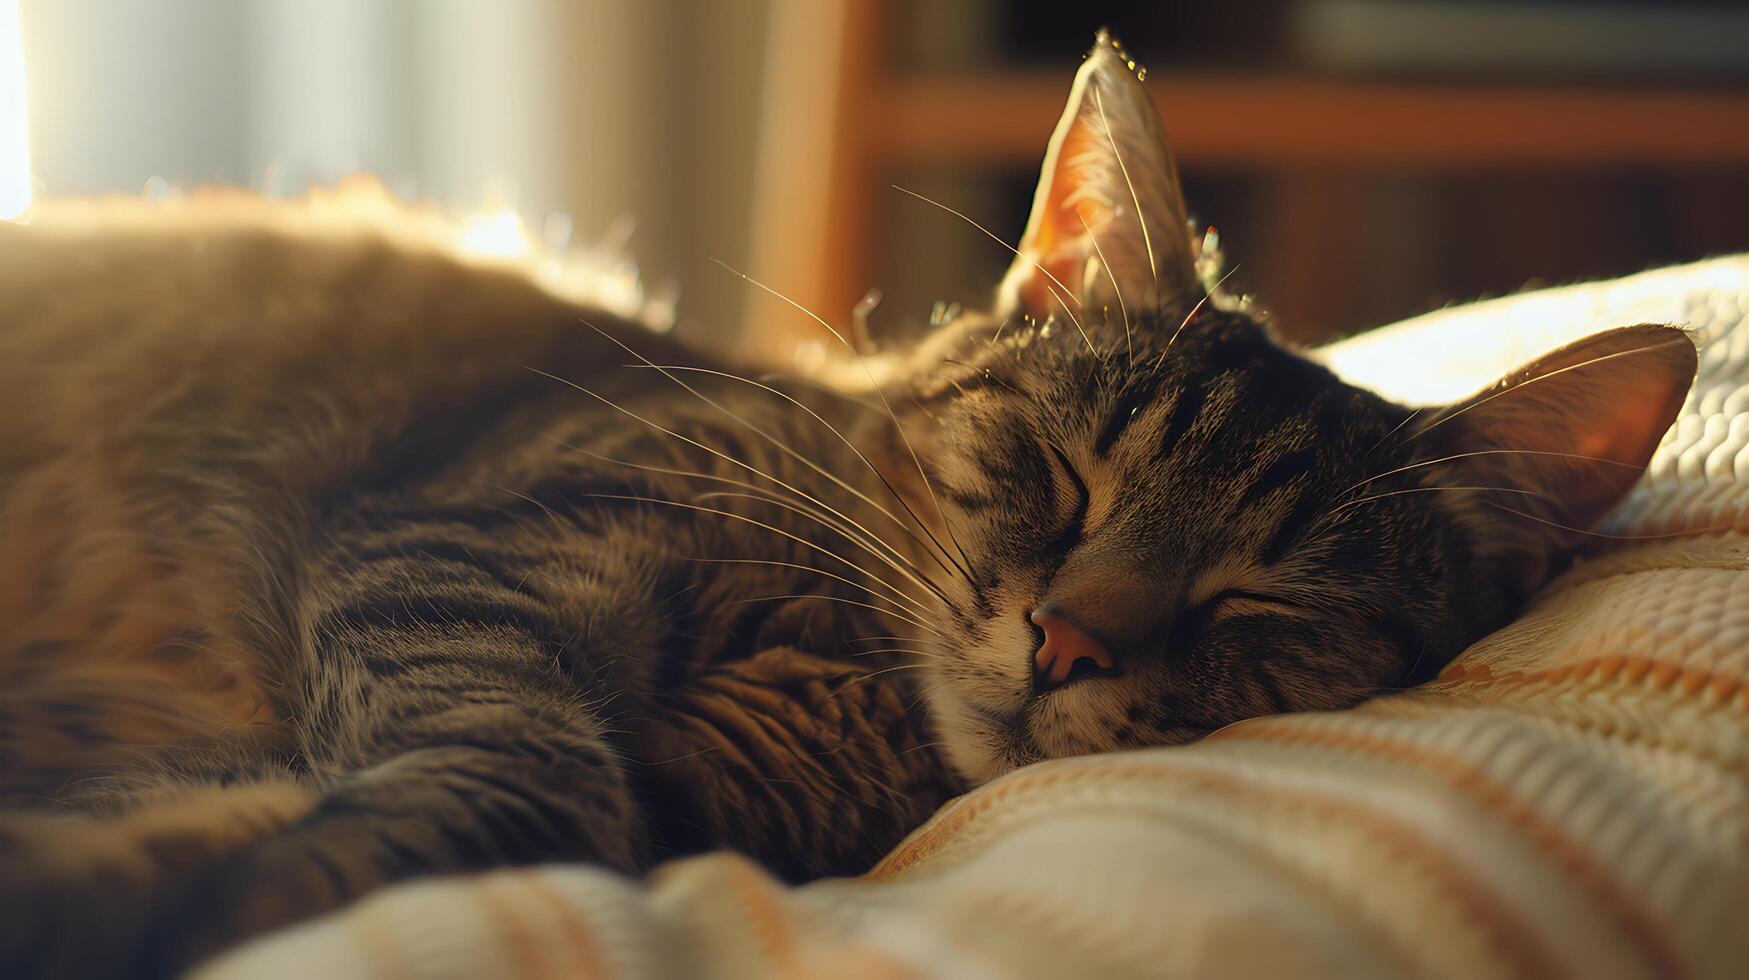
<point>77,893</point>
<point>474,787</point>
<point>442,711</point>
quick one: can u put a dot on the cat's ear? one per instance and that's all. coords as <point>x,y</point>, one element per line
<point>1570,433</point>
<point>1108,225</point>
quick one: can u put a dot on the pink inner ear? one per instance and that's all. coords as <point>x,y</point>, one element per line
<point>1581,491</point>
<point>1628,430</point>
<point>1059,243</point>
<point>1108,228</point>
<point>1599,444</point>
<point>1610,397</point>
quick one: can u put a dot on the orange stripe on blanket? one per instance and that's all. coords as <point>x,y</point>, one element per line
<point>1722,687</point>
<point>1465,777</point>
<point>376,939</point>
<point>761,904</point>
<point>1502,930</point>
<point>511,932</point>
<point>570,923</point>
<point>932,836</point>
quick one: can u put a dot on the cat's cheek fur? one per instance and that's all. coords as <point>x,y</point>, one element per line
<point>972,741</point>
<point>978,690</point>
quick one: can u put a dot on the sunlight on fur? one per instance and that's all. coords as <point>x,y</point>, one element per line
<point>595,274</point>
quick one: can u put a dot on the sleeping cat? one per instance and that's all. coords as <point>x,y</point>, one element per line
<point>326,562</point>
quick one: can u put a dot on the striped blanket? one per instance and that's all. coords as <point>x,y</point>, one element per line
<point>1569,798</point>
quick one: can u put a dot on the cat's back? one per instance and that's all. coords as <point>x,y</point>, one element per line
<point>178,329</point>
<point>180,388</point>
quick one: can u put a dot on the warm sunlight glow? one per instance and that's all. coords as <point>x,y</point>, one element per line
<point>1431,360</point>
<point>14,142</point>
<point>497,233</point>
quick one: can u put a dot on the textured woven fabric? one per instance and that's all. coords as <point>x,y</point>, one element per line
<point>1569,798</point>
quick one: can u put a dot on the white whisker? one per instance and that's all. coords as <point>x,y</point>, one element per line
<point>692,442</point>
<point>1691,532</point>
<point>1488,452</point>
<point>1063,294</point>
<point>1141,219</point>
<point>1436,423</point>
<point>849,602</point>
<point>756,523</point>
<point>768,437</point>
<point>910,604</point>
<point>992,235</point>
<point>1394,430</point>
<point>793,509</point>
<point>881,394</point>
<point>907,650</point>
<point>897,561</point>
<point>869,676</point>
<point>841,438</point>
<point>1396,493</point>
<point>1122,307</point>
<point>1192,315</point>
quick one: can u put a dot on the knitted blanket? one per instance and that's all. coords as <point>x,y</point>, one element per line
<point>1569,798</point>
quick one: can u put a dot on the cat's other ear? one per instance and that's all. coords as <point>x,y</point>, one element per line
<point>1571,432</point>
<point>1108,225</point>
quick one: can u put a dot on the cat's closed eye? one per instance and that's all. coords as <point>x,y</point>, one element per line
<point>1188,625</point>
<point>1239,602</point>
<point>1077,486</point>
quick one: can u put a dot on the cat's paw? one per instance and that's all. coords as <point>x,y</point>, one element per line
<point>84,897</point>
<point>239,899</point>
<point>300,873</point>
<point>815,624</point>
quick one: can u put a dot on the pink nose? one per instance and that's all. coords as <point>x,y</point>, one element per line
<point>1067,652</point>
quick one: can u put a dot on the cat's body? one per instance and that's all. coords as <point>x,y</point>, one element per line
<point>427,573</point>
<point>315,548</point>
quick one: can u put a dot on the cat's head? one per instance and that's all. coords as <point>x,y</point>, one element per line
<point>1163,522</point>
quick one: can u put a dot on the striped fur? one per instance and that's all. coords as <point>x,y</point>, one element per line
<point>1192,497</point>
<point>478,615</point>
<point>440,574</point>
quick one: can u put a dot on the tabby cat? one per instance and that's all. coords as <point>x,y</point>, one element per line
<point>327,562</point>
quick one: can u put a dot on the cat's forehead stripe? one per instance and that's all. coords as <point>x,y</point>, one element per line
<point>1184,414</point>
<point>1135,398</point>
<point>1285,469</point>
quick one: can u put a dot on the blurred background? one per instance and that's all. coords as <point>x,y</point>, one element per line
<point>1362,159</point>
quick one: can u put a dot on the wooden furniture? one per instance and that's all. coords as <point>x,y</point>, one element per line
<point>842,121</point>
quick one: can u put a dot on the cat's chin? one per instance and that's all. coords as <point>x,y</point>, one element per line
<point>986,734</point>
<point>980,744</point>
<point>983,742</point>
